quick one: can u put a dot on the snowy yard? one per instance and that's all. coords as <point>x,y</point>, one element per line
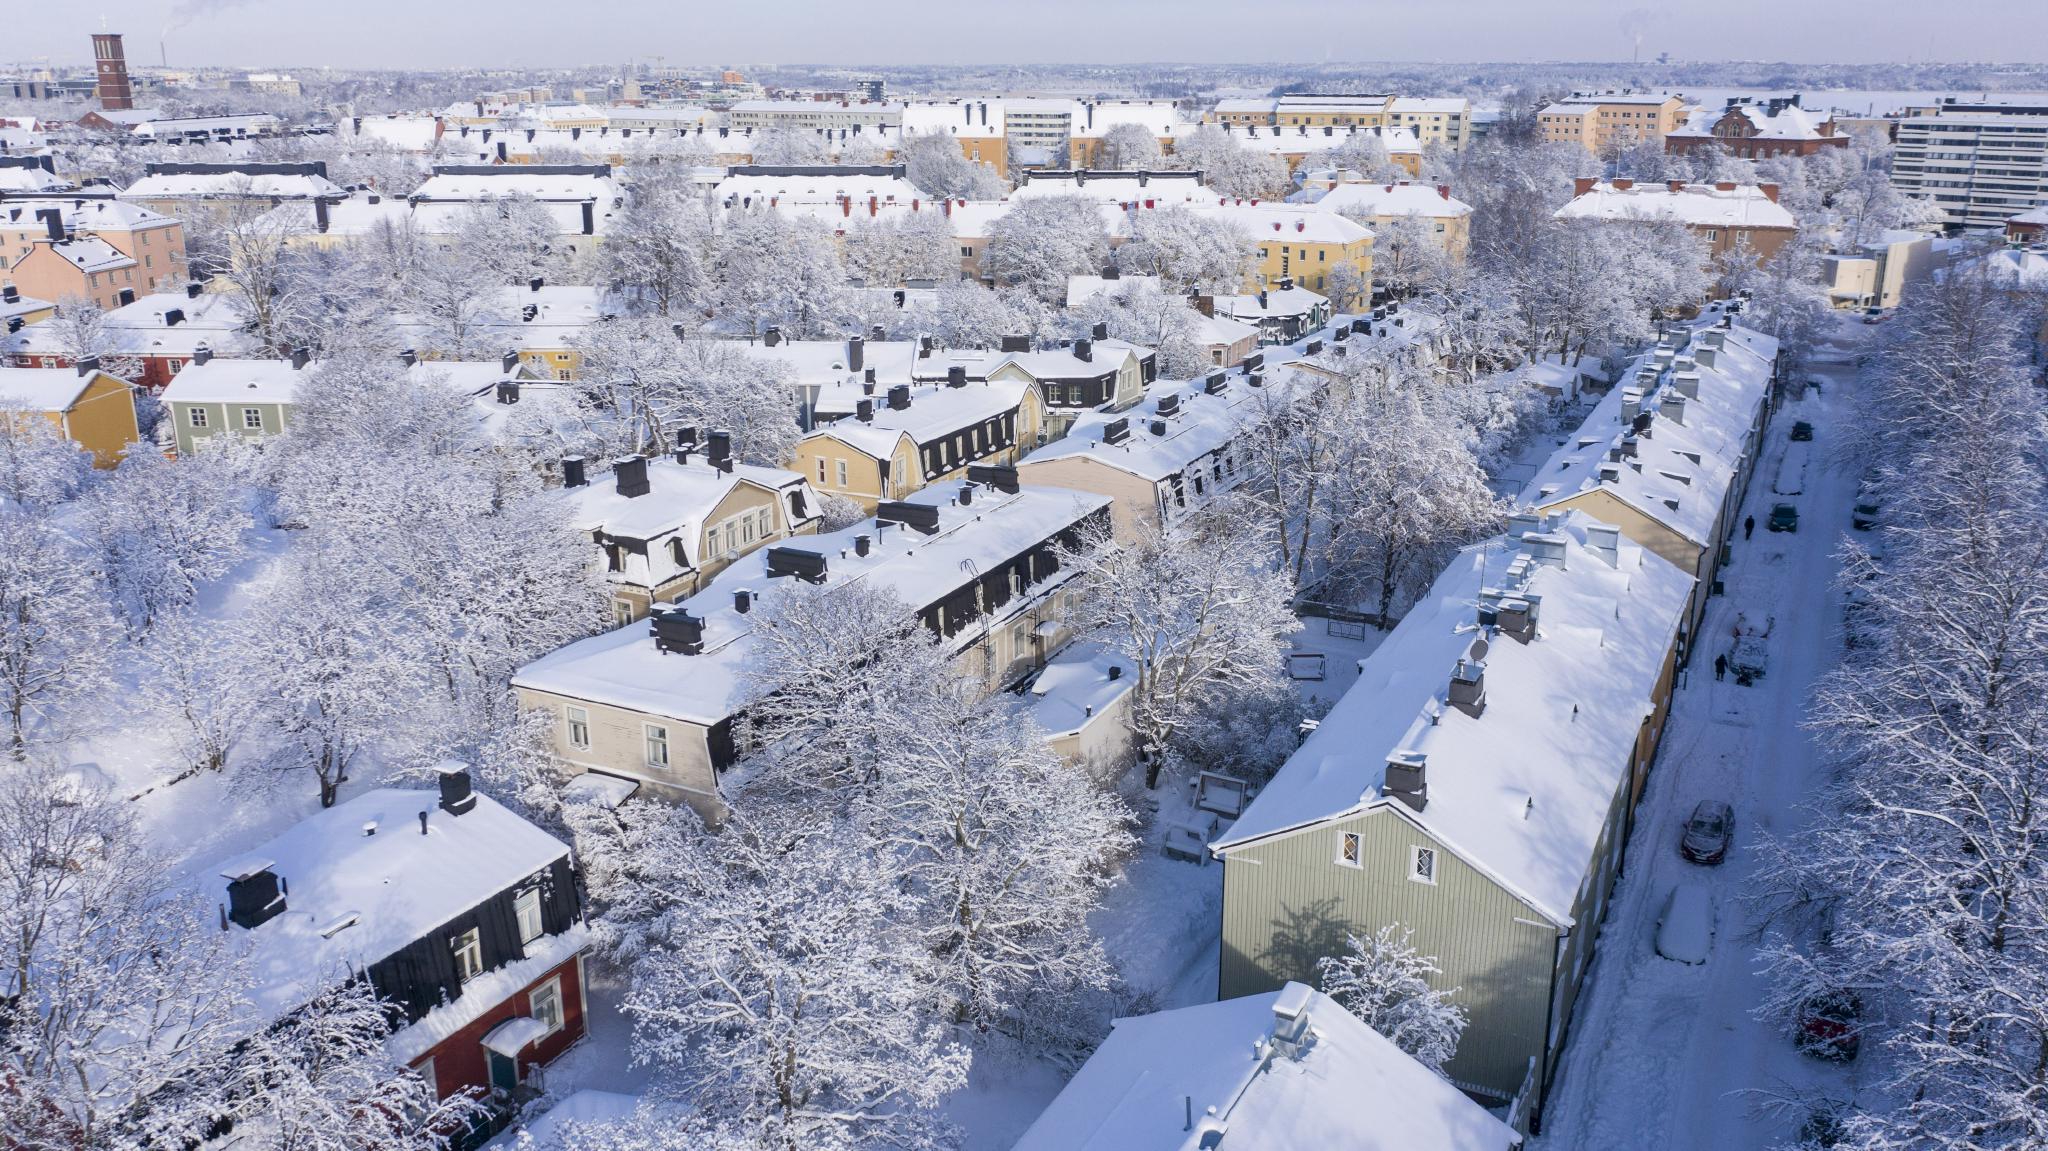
<point>1666,1055</point>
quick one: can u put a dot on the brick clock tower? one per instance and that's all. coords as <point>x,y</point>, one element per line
<point>115,92</point>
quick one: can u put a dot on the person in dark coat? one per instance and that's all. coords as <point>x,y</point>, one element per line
<point>1720,667</point>
<point>1748,526</point>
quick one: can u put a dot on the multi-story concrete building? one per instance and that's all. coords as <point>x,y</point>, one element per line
<point>1307,109</point>
<point>1603,122</point>
<point>1979,163</point>
<point>1435,120</point>
<point>813,115</point>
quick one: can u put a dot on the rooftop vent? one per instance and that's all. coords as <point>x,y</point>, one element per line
<point>1169,405</point>
<point>1117,430</point>
<point>899,397</point>
<point>1002,479</point>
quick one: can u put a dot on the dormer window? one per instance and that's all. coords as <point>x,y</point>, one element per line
<point>468,949</point>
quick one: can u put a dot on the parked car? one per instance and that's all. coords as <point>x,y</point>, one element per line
<point>1784,518</point>
<point>1708,833</point>
<point>1869,502</point>
<point>1873,315</point>
<point>1685,931</point>
<point>1831,1026</point>
<point>1801,430</point>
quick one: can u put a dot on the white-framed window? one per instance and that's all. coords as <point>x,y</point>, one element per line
<point>841,473</point>
<point>579,725</point>
<point>252,419</point>
<point>526,906</point>
<point>657,745</point>
<point>469,954</point>
<point>426,1073</point>
<point>1350,849</point>
<point>1422,864</point>
<point>764,523</point>
<point>545,1004</point>
<point>196,417</point>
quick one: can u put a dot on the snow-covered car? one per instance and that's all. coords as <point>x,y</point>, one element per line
<point>1685,932</point>
<point>1869,502</point>
<point>1708,832</point>
<point>1802,431</point>
<point>1831,1026</point>
<point>1784,518</point>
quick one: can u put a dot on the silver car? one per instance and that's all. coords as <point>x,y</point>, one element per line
<point>1708,832</point>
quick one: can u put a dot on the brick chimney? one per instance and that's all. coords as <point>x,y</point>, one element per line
<point>1675,185</point>
<point>1724,186</point>
<point>1770,192</point>
<point>1444,190</point>
<point>1623,184</point>
<point>1584,184</point>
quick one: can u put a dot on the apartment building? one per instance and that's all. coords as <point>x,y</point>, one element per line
<point>1753,128</point>
<point>193,191</point>
<point>664,527</point>
<point>656,704</point>
<point>912,436</point>
<point>161,332</point>
<point>1447,218</point>
<point>1725,216</point>
<point>1298,242</point>
<point>85,268</point>
<point>1445,121</point>
<point>1606,122</point>
<point>155,242</point>
<point>85,405</point>
<point>1306,109</point>
<point>813,115</point>
<point>1475,786</point>
<point>1980,163</point>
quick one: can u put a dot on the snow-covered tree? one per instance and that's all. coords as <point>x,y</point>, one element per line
<point>80,331</point>
<point>787,146</point>
<point>1364,153</point>
<point>1202,612</point>
<point>658,251</point>
<point>454,297</point>
<point>319,1080</point>
<point>967,315</point>
<point>511,240</point>
<point>1138,312</point>
<point>936,165</point>
<point>275,280</point>
<point>161,529</point>
<point>1187,251</point>
<point>1126,147</point>
<point>886,251</point>
<point>39,466</point>
<point>1043,240</point>
<point>1384,981</point>
<point>774,270</point>
<point>198,681</point>
<point>56,630</point>
<point>647,385</point>
<point>1228,166</point>
<point>781,984</point>
<point>115,983</point>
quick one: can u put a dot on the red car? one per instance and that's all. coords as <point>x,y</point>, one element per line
<point>1831,1026</point>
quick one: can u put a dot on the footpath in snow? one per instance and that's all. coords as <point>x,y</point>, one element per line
<point>1666,1055</point>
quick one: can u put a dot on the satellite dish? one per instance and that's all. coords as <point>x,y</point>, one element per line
<point>1479,648</point>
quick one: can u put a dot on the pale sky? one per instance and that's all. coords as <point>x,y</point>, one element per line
<point>542,33</point>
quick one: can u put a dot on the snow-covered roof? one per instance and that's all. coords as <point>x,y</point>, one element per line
<point>1402,199</point>
<point>624,669</point>
<point>2017,267</point>
<point>407,133</point>
<point>1286,140</point>
<point>935,412</point>
<point>1082,288</point>
<point>1680,472</point>
<point>679,498</point>
<point>547,410</point>
<point>88,254</point>
<point>1578,102</point>
<point>1178,1080</point>
<point>1521,791</point>
<point>213,322</point>
<point>1790,122</point>
<point>356,898</point>
<point>1268,222</point>
<point>218,381</point>
<point>1079,683</point>
<point>562,312</point>
<point>818,363</point>
<point>82,214</point>
<point>519,180</point>
<point>1202,423</point>
<point>257,122</point>
<point>972,119</point>
<point>1147,189</point>
<point>1064,362</point>
<point>207,185</point>
<point>1272,303</point>
<point>2032,216</point>
<point>1440,105</point>
<point>1698,205</point>
<point>41,389</point>
<point>820,184</point>
<point>207,310</point>
<point>22,306</point>
<point>16,180</point>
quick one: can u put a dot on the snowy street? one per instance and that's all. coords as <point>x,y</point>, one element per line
<point>1666,1055</point>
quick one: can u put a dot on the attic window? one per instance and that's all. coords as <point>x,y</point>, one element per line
<point>1422,865</point>
<point>1350,850</point>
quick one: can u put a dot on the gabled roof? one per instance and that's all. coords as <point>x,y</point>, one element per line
<point>219,381</point>
<point>681,496</point>
<point>624,669</point>
<point>1179,1080</point>
<point>82,214</point>
<point>208,185</point>
<point>1202,423</point>
<point>1680,473</point>
<point>1522,791</point>
<point>1790,122</point>
<point>1698,205</point>
<point>43,389</point>
<point>1277,223</point>
<point>1402,199</point>
<point>86,253</point>
<point>354,898</point>
<point>935,412</point>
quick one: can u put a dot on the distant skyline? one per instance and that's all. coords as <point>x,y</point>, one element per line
<point>427,34</point>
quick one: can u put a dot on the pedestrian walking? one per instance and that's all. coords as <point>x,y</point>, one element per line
<point>1720,667</point>
<point>1748,526</point>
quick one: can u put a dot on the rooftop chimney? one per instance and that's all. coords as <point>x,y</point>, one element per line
<point>629,474</point>
<point>1584,184</point>
<point>456,796</point>
<point>718,450</point>
<point>899,396</point>
<point>300,358</point>
<point>572,472</point>
<point>255,894</point>
<point>771,337</point>
<point>856,349</point>
<point>1407,778</point>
